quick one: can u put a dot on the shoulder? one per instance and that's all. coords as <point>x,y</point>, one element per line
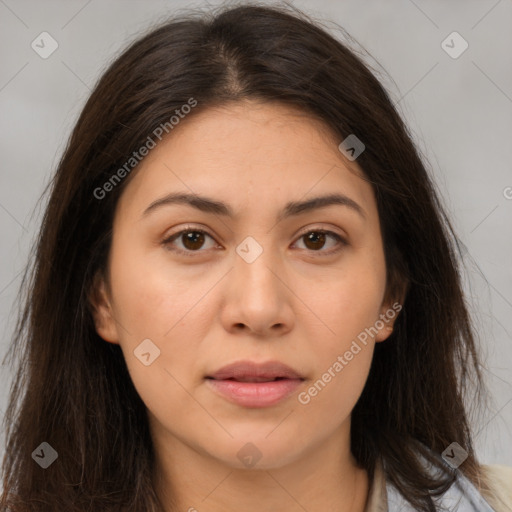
<point>499,479</point>
<point>494,493</point>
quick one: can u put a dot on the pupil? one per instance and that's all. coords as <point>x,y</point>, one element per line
<point>316,238</point>
<point>192,238</point>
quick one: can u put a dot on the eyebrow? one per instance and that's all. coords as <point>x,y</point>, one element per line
<point>293,208</point>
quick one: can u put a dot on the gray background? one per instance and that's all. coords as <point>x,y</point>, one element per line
<point>459,111</point>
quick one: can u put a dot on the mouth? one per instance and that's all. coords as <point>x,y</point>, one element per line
<point>253,379</point>
<point>250,384</point>
<point>251,371</point>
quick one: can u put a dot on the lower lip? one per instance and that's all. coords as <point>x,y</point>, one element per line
<point>255,394</point>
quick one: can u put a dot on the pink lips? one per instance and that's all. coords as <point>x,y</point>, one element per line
<point>251,384</point>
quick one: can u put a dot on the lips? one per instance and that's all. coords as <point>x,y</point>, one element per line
<point>250,371</point>
<point>255,385</point>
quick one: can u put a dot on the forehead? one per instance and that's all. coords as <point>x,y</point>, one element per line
<point>248,153</point>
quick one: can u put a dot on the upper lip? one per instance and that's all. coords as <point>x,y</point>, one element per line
<point>252,371</point>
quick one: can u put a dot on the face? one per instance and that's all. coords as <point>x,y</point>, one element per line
<point>248,279</point>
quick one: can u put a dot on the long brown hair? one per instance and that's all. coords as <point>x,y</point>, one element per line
<point>72,389</point>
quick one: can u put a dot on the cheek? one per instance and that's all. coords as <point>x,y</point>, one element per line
<point>347,300</point>
<point>342,359</point>
<point>348,304</point>
<point>152,297</point>
<point>152,300</point>
<point>328,401</point>
<point>340,379</point>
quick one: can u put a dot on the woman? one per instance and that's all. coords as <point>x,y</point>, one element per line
<point>245,293</point>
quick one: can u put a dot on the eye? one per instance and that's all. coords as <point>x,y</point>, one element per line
<point>315,240</point>
<point>192,240</point>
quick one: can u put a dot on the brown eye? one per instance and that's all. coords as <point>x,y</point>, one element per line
<point>192,240</point>
<point>315,240</point>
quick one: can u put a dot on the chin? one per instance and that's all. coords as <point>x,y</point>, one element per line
<point>258,452</point>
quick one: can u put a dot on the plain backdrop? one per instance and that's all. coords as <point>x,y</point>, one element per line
<point>459,111</point>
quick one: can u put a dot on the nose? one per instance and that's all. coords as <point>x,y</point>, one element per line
<point>258,299</point>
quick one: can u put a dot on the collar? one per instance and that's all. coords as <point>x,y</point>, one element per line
<point>377,495</point>
<point>462,496</point>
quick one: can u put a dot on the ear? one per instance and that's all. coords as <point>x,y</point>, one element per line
<point>100,302</point>
<point>385,323</point>
<point>389,312</point>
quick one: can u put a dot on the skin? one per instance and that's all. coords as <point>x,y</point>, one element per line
<point>295,303</point>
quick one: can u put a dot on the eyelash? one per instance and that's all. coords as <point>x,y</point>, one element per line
<point>174,236</point>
